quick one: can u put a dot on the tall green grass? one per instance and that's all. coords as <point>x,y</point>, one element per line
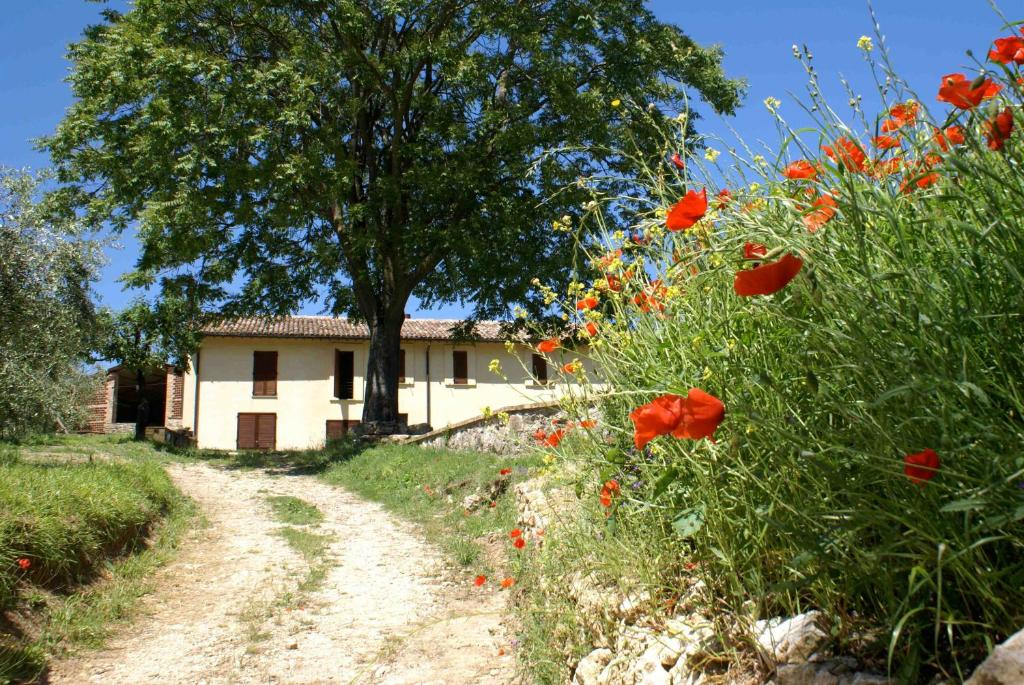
<point>69,520</point>
<point>902,332</point>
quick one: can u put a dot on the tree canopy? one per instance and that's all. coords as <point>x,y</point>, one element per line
<point>359,152</point>
<point>47,317</point>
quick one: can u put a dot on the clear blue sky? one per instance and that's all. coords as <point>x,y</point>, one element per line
<point>927,38</point>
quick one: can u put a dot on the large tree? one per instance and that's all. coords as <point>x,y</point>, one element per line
<point>273,152</point>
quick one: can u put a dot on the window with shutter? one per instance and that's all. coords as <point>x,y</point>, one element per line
<point>344,374</point>
<point>247,431</point>
<point>257,431</point>
<point>264,374</point>
<point>460,367</point>
<point>540,369</point>
<point>339,429</point>
<point>401,366</point>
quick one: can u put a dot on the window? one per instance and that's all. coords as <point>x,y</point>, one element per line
<point>401,366</point>
<point>344,374</point>
<point>540,369</point>
<point>339,429</point>
<point>403,418</point>
<point>257,431</point>
<point>460,367</point>
<point>264,374</point>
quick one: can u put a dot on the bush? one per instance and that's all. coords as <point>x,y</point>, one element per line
<point>900,333</point>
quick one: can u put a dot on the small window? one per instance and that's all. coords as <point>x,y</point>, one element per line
<point>257,431</point>
<point>540,369</point>
<point>403,418</point>
<point>460,367</point>
<point>401,366</point>
<point>344,374</point>
<point>264,374</point>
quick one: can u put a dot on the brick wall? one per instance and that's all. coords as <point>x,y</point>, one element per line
<point>101,408</point>
<point>175,398</point>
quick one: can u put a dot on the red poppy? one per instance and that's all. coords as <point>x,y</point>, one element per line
<point>688,211</point>
<point>586,303</point>
<point>885,142</point>
<point>515,533</point>
<point>695,416</point>
<point>847,152</point>
<point>678,161</point>
<point>492,504</point>
<point>501,651</point>
<point>905,112</point>
<point>540,435</point>
<point>571,367</point>
<point>609,258</point>
<point>549,345</point>
<point>554,438</point>
<point>754,250</point>
<point>723,198</point>
<point>24,564</point>
<point>591,329</point>
<point>954,135</point>
<point>767,278</point>
<point>479,580</point>
<point>919,181</point>
<point>800,169</point>
<point>507,583</point>
<point>959,92</point>
<point>651,297</point>
<point>504,472</point>
<point>890,125</point>
<point>921,467</point>
<point>608,490</point>
<point>588,423</point>
<point>612,283</point>
<point>998,129</point>
<point>824,210</point>
<point>1009,49</point>
<point>519,543</point>
<point>887,167</point>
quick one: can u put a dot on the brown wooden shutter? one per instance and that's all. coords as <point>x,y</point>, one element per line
<point>401,366</point>
<point>247,431</point>
<point>540,369</point>
<point>264,374</point>
<point>266,431</point>
<point>344,374</point>
<point>460,367</point>
<point>339,429</point>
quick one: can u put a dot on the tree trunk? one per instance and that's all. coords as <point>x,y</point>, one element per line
<point>141,405</point>
<point>380,400</point>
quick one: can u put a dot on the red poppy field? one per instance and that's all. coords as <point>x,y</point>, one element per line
<point>811,394</point>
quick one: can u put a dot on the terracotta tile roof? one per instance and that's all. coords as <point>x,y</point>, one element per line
<point>335,328</point>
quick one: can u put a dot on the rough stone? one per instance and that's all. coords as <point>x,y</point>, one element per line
<point>1005,665</point>
<point>631,607</point>
<point>670,648</point>
<point>791,640</point>
<point>682,674</point>
<point>589,668</point>
<point>472,502</point>
<point>647,670</point>
<point>832,672</point>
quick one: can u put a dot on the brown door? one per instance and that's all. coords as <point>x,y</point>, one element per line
<point>257,431</point>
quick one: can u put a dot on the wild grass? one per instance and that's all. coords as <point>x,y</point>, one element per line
<point>294,511</point>
<point>91,534</point>
<point>427,487</point>
<point>902,332</point>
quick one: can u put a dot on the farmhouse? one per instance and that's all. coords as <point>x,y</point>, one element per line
<point>296,382</point>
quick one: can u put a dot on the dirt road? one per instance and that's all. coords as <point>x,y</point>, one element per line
<point>235,606</point>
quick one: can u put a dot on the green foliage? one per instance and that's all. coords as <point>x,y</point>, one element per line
<point>902,332</point>
<point>70,520</point>
<point>47,320</point>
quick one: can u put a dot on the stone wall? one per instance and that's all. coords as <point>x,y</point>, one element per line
<point>494,434</point>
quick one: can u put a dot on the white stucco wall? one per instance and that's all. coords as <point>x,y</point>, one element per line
<point>305,386</point>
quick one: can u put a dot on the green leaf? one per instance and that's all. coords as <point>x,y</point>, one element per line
<point>964,505</point>
<point>662,483</point>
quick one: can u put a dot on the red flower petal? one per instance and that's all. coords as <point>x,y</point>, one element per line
<point>519,543</point>
<point>701,416</point>
<point>998,129</point>
<point>479,580</point>
<point>768,278</point>
<point>515,533</point>
<point>825,209</point>
<point>505,472</point>
<point>688,211</point>
<point>586,303</point>
<point>549,345</point>
<point>508,582</point>
<point>848,153</point>
<point>754,250</point>
<point>591,329</point>
<point>922,466</point>
<point>678,161</point>
<point>801,169</point>
<point>659,417</point>
<point>958,91</point>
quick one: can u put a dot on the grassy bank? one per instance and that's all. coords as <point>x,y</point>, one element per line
<point>78,542</point>
<point>428,486</point>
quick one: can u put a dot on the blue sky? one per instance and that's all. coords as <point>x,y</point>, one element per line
<point>926,38</point>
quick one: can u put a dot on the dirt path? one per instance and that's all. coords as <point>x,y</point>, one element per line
<point>230,608</point>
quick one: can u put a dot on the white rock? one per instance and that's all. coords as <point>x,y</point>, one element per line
<point>630,608</point>
<point>647,670</point>
<point>590,667</point>
<point>1005,665</point>
<point>682,674</point>
<point>670,648</point>
<point>792,640</point>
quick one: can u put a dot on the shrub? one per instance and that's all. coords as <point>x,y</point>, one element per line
<point>899,332</point>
